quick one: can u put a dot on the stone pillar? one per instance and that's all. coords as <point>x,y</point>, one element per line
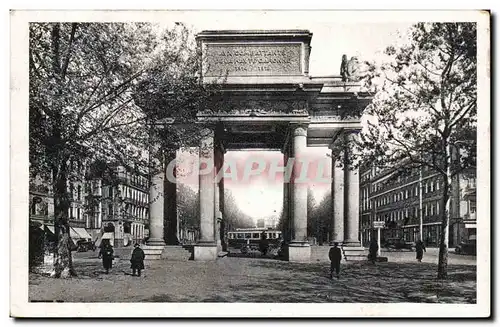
<point>156,194</point>
<point>299,249</point>
<point>206,248</point>
<point>337,193</point>
<point>171,224</point>
<point>217,196</point>
<point>285,231</point>
<point>351,190</point>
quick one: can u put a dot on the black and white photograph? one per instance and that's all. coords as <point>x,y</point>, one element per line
<point>293,163</point>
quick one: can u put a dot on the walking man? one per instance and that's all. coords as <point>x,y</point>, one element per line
<point>420,249</point>
<point>335,256</point>
<point>137,260</point>
<point>372,251</point>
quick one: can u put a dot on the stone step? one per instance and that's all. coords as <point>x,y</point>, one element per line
<point>222,254</point>
<point>153,252</point>
<point>355,253</point>
<point>176,253</point>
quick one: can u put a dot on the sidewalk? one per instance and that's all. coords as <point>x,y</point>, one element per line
<point>258,280</point>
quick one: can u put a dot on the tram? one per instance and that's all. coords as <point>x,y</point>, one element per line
<point>252,236</point>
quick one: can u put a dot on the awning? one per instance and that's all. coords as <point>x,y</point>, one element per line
<point>82,232</point>
<point>108,236</point>
<point>73,234</point>
<point>51,229</point>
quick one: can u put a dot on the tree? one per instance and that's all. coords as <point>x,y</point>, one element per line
<point>97,91</point>
<point>424,111</point>
<point>234,216</point>
<point>188,207</point>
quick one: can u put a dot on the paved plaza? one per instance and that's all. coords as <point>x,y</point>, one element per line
<point>254,279</point>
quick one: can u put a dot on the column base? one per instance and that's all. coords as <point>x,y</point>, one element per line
<point>205,252</point>
<point>339,242</point>
<point>156,242</point>
<point>299,252</point>
<point>351,243</point>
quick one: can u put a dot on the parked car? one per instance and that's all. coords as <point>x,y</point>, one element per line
<point>84,246</point>
<point>398,244</point>
<point>467,247</point>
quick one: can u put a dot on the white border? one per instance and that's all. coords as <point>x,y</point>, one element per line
<point>19,178</point>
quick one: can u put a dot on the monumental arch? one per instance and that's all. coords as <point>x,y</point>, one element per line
<point>271,102</point>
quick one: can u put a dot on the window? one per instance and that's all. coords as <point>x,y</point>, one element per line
<point>110,209</point>
<point>255,235</point>
<point>437,185</point>
<point>248,235</point>
<point>432,186</point>
<point>78,214</point>
<point>437,205</point>
<point>406,194</point>
<point>79,196</point>
<point>426,188</point>
<point>472,206</point>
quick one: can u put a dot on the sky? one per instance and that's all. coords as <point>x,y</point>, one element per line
<point>333,36</point>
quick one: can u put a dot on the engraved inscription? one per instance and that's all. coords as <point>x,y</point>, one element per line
<point>252,59</point>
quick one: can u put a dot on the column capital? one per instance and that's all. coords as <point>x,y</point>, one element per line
<point>207,131</point>
<point>299,129</point>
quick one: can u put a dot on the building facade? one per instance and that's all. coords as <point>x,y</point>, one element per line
<point>399,202</point>
<point>41,203</point>
<point>123,206</point>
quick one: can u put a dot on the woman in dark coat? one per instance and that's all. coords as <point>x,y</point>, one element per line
<point>106,253</point>
<point>137,260</point>
<point>419,249</point>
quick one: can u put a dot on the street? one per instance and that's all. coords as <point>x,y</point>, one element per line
<point>240,279</point>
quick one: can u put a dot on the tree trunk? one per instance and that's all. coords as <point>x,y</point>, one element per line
<point>63,261</point>
<point>445,231</point>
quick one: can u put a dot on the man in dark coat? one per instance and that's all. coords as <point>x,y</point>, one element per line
<point>137,260</point>
<point>420,248</point>
<point>106,253</point>
<point>263,244</point>
<point>372,252</point>
<point>335,256</point>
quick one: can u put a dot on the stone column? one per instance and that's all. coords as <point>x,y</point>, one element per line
<point>299,249</point>
<point>171,230</point>
<point>217,189</point>
<point>337,193</point>
<point>206,248</point>
<point>285,232</point>
<point>156,194</point>
<point>351,189</point>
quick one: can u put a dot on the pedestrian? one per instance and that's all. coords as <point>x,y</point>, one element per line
<point>106,253</point>
<point>263,244</point>
<point>420,249</point>
<point>372,252</point>
<point>137,260</point>
<point>335,256</point>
